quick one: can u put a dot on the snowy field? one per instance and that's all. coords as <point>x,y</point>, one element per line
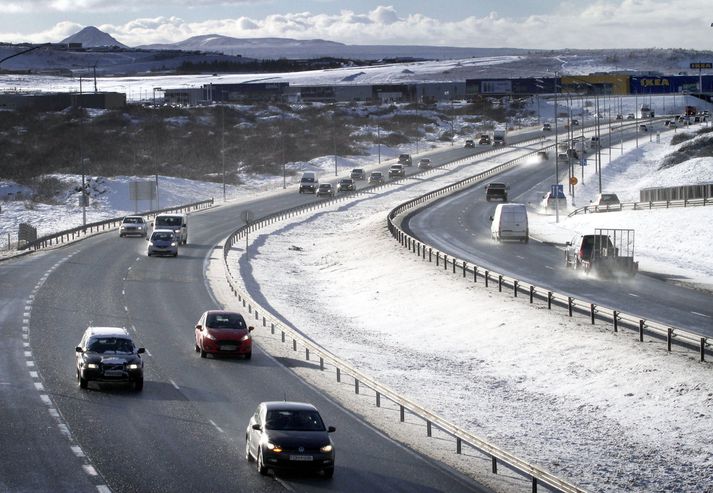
<point>598,408</point>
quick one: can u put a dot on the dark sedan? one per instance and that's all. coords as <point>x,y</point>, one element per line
<point>223,333</point>
<point>289,436</point>
<point>107,354</point>
<point>346,185</point>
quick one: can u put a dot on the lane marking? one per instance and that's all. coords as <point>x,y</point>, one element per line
<point>89,470</point>
<point>216,426</point>
<point>148,352</point>
<point>30,363</point>
<point>102,488</point>
<point>701,314</point>
<point>520,257</point>
<point>126,308</point>
<point>54,413</point>
<point>39,386</point>
<point>25,344</point>
<point>28,354</point>
<point>77,451</point>
<point>46,399</point>
<point>34,374</point>
<point>634,295</point>
<point>64,429</point>
<point>174,384</point>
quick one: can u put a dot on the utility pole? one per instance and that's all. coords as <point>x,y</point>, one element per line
<point>222,144</point>
<point>557,166</point>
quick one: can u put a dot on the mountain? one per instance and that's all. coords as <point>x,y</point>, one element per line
<point>273,48</point>
<point>91,37</point>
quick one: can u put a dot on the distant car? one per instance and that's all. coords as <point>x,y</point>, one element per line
<point>405,159</point>
<point>575,122</point>
<point>630,116</point>
<point>469,143</point>
<point>496,191</point>
<point>107,354</point>
<point>358,174</point>
<point>619,116</point>
<point>643,128</point>
<point>607,201</point>
<point>672,124</point>
<point>424,163</point>
<point>542,155</point>
<point>397,171</point>
<point>484,140</point>
<point>162,242</point>
<point>346,185</point>
<point>223,333</point>
<point>551,202</point>
<point>325,190</point>
<point>287,435</point>
<point>376,178</point>
<point>133,226</point>
<point>546,127</point>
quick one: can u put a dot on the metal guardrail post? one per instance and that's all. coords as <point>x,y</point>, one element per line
<point>459,446</point>
<point>339,375</point>
<point>616,321</point>
<point>378,399</point>
<point>703,349</point>
<point>494,464</point>
<point>669,338</point>
<point>532,293</point>
<point>428,428</point>
<point>592,309</point>
<point>569,305</point>
<point>307,354</point>
<point>549,300</point>
<point>402,413</point>
<point>641,330</point>
<point>356,386</point>
<point>514,288</point>
<point>475,273</point>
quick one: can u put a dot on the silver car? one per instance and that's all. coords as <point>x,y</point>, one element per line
<point>133,226</point>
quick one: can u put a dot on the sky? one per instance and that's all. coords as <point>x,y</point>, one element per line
<point>544,24</point>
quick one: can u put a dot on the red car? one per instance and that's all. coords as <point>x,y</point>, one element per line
<point>223,333</point>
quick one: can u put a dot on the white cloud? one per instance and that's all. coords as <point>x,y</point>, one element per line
<point>602,24</point>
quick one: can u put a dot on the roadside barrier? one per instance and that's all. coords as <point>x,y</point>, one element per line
<point>643,206</point>
<point>79,232</point>
<point>343,369</point>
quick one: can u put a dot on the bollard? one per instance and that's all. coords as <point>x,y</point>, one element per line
<point>428,428</point>
<point>475,274</point>
<point>514,288</point>
<point>264,321</point>
<point>445,262</point>
<point>549,300</point>
<point>464,268</point>
<point>283,336</point>
<point>532,293</point>
<point>294,344</point>
<point>703,349</point>
<point>307,353</point>
<point>534,484</point>
<point>570,300</point>
<point>438,255</point>
<point>494,464</point>
<point>500,283</point>
<point>430,251</point>
<point>641,330</point>
<point>487,275</point>
<point>339,375</point>
<point>378,399</point>
<point>454,265</point>
<point>356,386</point>
<point>272,328</point>
<point>669,338</point>
<point>402,413</point>
<point>592,307</point>
<point>616,321</point>
<point>458,446</point>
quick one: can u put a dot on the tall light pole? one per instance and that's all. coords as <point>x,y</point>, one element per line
<point>557,164</point>
<point>222,144</point>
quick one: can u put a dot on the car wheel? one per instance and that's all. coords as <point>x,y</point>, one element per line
<point>260,465</point>
<point>203,353</point>
<point>148,253</point>
<point>197,349</point>
<point>248,456</point>
<point>139,384</point>
<point>83,382</point>
<point>328,472</point>
<point>121,235</point>
<point>175,254</point>
<point>249,355</point>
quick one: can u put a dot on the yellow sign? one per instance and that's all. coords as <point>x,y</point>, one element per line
<point>573,180</point>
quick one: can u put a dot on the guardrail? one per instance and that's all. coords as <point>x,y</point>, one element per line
<point>594,311</point>
<point>311,349</point>
<point>681,192</point>
<point>642,206</point>
<point>108,224</point>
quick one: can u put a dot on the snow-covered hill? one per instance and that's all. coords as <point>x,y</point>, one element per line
<point>90,36</point>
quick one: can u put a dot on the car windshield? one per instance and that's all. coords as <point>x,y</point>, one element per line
<point>110,345</point>
<point>169,221</point>
<point>325,187</point>
<point>162,236</point>
<point>133,220</point>
<point>376,175</point>
<point>294,420</point>
<point>307,179</point>
<point>225,321</point>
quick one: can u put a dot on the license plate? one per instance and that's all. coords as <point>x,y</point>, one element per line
<point>301,457</point>
<point>113,373</point>
<point>228,348</point>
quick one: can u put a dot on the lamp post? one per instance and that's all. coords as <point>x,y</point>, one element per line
<point>557,165</point>
<point>222,144</point>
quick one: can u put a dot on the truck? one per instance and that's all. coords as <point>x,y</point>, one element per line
<point>646,111</point>
<point>499,135</point>
<point>608,252</point>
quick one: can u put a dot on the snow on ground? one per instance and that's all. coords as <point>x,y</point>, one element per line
<point>598,408</point>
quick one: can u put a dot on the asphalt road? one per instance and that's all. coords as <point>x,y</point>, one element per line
<point>460,226</point>
<point>185,431</point>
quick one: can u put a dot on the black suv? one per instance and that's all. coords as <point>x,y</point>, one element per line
<point>497,191</point>
<point>583,248</point>
<point>405,159</point>
<point>107,354</point>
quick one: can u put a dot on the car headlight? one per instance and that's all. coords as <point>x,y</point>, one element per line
<point>140,227</point>
<point>122,227</point>
<point>173,243</point>
<point>133,366</point>
<point>150,243</point>
<point>273,447</point>
<point>326,448</point>
<point>246,337</point>
<point>92,366</point>
<point>208,335</point>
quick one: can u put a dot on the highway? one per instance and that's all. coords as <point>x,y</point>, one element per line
<point>185,431</point>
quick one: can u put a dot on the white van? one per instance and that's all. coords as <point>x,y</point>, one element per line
<point>309,182</point>
<point>509,223</point>
<point>176,223</point>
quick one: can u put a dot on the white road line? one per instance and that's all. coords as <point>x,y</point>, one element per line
<point>634,295</point>
<point>123,292</point>
<point>77,450</point>
<point>25,344</point>
<point>133,328</point>
<point>102,488</point>
<point>520,257</point>
<point>701,314</point>
<point>28,307</point>
<point>148,352</point>
<point>31,297</point>
<point>54,413</point>
<point>89,470</point>
<point>34,374</point>
<point>25,336</point>
<point>174,385</point>
<point>28,354</point>
<point>46,399</point>
<point>25,320</point>
<point>284,484</point>
<point>216,426</point>
<point>30,364</point>
<point>126,308</point>
<point>39,386</point>
<point>26,314</point>
<point>64,429</point>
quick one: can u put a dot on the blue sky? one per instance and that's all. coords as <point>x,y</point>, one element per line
<point>537,24</point>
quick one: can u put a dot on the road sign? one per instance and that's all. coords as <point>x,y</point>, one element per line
<point>700,65</point>
<point>247,216</point>
<point>573,180</point>
<point>557,190</point>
